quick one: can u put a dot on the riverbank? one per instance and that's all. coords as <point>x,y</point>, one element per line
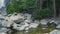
<point>19,23</point>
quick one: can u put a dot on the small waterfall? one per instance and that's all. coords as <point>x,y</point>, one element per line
<point>3,4</point>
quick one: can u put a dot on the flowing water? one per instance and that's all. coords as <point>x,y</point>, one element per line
<point>3,6</point>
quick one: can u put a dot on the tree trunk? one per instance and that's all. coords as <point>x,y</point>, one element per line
<point>54,8</point>
<point>41,2</point>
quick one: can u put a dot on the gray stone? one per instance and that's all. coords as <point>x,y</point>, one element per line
<point>44,22</point>
<point>3,33</point>
<point>55,32</point>
<point>33,25</point>
<point>3,30</point>
<point>58,26</point>
<point>28,16</point>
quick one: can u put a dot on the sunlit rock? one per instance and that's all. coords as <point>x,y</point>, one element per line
<point>7,23</point>
<point>27,21</point>
<point>16,17</point>
<point>14,26</point>
<point>21,28</point>
<point>58,26</point>
<point>33,25</point>
<point>3,33</point>
<point>27,28</point>
<point>26,31</point>
<point>44,22</point>
<point>55,32</point>
<point>43,28</point>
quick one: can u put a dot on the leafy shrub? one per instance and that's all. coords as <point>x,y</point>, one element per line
<point>43,13</point>
<point>10,8</point>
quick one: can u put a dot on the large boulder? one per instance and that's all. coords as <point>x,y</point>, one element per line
<point>7,23</point>
<point>16,17</point>
<point>21,28</point>
<point>44,22</point>
<point>33,25</point>
<point>27,16</point>
<point>14,26</point>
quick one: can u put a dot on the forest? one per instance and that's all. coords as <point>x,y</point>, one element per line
<point>38,8</point>
<point>29,16</point>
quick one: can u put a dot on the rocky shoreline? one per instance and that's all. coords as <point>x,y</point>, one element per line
<point>22,22</point>
<point>17,22</point>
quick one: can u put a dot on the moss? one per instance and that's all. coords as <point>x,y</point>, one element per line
<point>38,30</point>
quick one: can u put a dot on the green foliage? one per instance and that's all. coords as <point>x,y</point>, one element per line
<point>10,8</point>
<point>21,5</point>
<point>43,13</point>
<point>30,6</point>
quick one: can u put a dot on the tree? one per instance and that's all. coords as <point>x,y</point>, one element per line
<point>10,8</point>
<point>54,8</point>
<point>43,13</point>
<point>23,5</point>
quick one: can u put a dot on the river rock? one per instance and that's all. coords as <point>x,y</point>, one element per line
<point>33,25</point>
<point>44,22</point>
<point>2,18</point>
<point>7,23</point>
<point>28,16</point>
<point>3,30</point>
<point>14,26</point>
<point>21,28</point>
<point>16,17</point>
<point>55,32</point>
<point>58,26</point>
<point>3,33</point>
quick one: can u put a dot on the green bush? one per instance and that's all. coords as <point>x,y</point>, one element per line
<point>43,13</point>
<point>21,6</point>
<point>10,8</point>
